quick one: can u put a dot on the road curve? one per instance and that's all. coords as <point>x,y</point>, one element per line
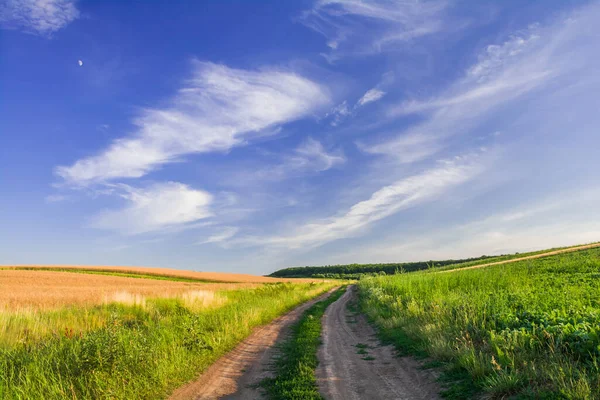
<point>237,374</point>
<point>354,365</point>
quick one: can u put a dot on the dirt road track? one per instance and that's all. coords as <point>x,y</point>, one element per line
<point>235,375</point>
<point>354,365</point>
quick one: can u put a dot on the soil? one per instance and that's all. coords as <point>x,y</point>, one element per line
<point>237,374</point>
<point>353,364</point>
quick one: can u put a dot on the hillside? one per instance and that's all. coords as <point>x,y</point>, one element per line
<point>524,329</point>
<point>356,271</point>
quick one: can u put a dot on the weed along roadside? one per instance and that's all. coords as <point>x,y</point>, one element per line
<point>294,369</point>
<point>528,329</point>
<point>354,364</point>
<point>141,350</point>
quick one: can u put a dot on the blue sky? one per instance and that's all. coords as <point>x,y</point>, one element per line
<point>249,136</point>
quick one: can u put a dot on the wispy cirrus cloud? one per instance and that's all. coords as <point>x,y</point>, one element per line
<point>525,228</point>
<point>400,195</point>
<point>55,198</point>
<point>223,235</point>
<point>312,153</point>
<point>529,61</point>
<point>159,207</point>
<point>342,111</point>
<point>370,96</point>
<point>354,27</point>
<point>218,108</point>
<point>309,157</point>
<point>502,73</point>
<point>41,17</point>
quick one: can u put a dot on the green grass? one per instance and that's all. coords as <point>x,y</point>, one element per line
<point>529,329</point>
<point>295,368</point>
<point>141,352</point>
<point>504,257</point>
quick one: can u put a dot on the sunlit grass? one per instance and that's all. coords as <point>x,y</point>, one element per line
<point>528,328</point>
<point>134,347</point>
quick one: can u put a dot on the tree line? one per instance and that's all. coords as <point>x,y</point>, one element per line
<point>357,271</point>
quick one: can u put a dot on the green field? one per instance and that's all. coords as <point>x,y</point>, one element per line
<point>529,329</point>
<point>359,271</point>
<point>138,351</point>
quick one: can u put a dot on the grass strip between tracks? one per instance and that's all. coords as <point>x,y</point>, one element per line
<point>295,368</point>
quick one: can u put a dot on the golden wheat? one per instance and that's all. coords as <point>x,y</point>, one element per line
<point>43,290</point>
<point>207,276</point>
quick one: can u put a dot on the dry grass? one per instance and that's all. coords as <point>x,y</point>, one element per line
<point>44,290</point>
<point>207,276</point>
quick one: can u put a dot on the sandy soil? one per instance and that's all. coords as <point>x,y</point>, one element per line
<point>209,276</point>
<point>343,373</point>
<point>52,289</point>
<point>550,253</point>
<point>237,374</point>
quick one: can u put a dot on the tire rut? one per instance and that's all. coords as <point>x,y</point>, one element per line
<point>354,365</point>
<point>237,374</point>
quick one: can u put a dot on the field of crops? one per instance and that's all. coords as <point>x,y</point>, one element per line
<point>73,335</point>
<point>149,273</point>
<point>36,290</point>
<point>530,328</point>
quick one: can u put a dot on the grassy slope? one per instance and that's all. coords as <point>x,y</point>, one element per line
<point>505,257</point>
<point>295,369</point>
<point>142,352</point>
<point>357,271</point>
<point>529,329</point>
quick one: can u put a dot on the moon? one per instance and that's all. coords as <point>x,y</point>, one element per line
<point>80,63</point>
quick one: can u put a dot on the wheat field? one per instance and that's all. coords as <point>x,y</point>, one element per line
<point>224,277</point>
<point>45,290</point>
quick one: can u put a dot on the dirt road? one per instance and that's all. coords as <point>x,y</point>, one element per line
<point>354,365</point>
<point>236,375</point>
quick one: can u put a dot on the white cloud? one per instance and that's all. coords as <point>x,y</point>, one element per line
<point>309,157</point>
<point>55,198</point>
<point>312,153</point>
<point>161,206</point>
<point>361,27</point>
<point>218,109</point>
<point>533,60</point>
<point>226,233</point>
<point>339,113</point>
<point>342,111</point>
<point>503,72</point>
<point>42,17</point>
<point>402,194</point>
<point>559,221</point>
<point>370,96</point>
<point>406,147</point>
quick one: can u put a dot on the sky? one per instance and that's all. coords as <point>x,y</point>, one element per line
<point>251,136</point>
